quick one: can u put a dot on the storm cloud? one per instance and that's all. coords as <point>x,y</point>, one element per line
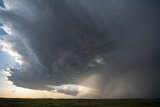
<point>68,41</point>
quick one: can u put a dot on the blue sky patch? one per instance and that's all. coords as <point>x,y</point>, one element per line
<point>2,3</point>
<point>2,32</point>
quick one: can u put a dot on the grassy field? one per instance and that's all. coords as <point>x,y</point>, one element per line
<point>79,102</point>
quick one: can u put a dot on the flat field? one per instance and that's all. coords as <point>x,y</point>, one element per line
<point>9,102</point>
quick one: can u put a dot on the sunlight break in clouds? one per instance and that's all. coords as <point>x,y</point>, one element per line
<point>8,48</point>
<point>7,29</point>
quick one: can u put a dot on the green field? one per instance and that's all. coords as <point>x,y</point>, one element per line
<point>79,102</point>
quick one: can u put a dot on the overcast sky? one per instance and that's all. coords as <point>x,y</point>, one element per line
<point>80,48</point>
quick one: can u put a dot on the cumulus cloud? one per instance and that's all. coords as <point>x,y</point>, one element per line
<point>67,89</point>
<point>65,42</point>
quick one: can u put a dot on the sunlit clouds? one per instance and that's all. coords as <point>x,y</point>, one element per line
<point>71,89</point>
<point>8,48</point>
<point>7,29</point>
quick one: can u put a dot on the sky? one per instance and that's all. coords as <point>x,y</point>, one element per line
<point>79,48</point>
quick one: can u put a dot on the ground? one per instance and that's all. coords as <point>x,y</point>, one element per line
<point>5,102</point>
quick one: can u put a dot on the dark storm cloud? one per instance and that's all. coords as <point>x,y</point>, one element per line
<point>66,41</point>
<point>62,39</point>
